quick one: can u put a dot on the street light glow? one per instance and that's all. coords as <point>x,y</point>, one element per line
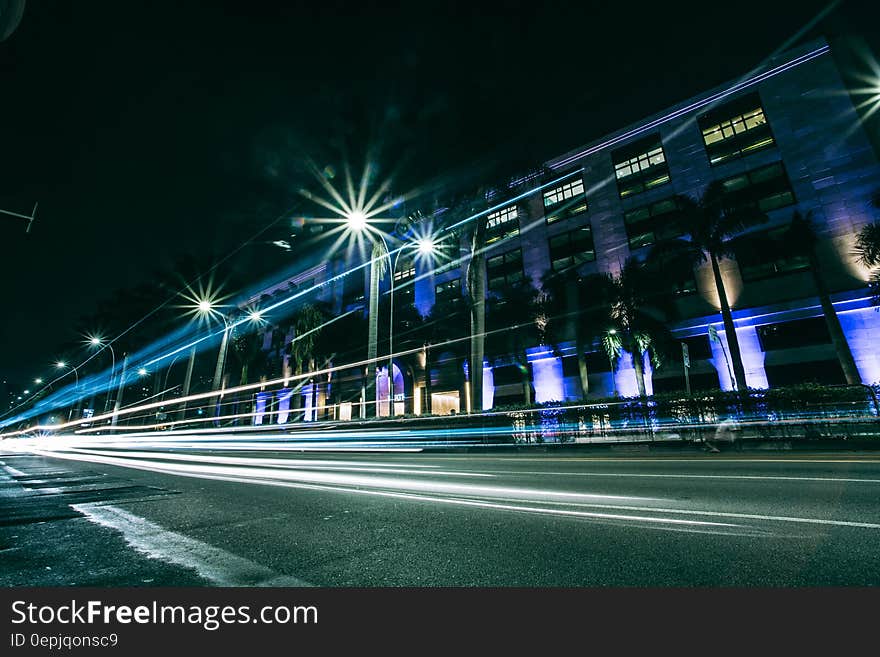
<point>357,221</point>
<point>60,364</point>
<point>205,306</point>
<point>142,371</point>
<point>38,381</point>
<point>426,246</point>
<point>95,341</point>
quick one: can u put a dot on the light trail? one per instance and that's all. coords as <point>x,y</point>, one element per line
<point>432,484</point>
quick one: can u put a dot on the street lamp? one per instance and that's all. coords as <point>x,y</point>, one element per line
<point>96,341</point>
<point>62,365</point>
<point>425,246</point>
<point>357,223</point>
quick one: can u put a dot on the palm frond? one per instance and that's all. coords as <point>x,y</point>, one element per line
<point>868,245</point>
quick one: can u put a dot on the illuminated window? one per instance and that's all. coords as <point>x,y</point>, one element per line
<point>504,269</point>
<point>766,188</point>
<point>566,200</point>
<point>501,224</point>
<point>640,166</point>
<point>572,249</point>
<point>737,128</point>
<point>448,290</point>
<point>651,223</point>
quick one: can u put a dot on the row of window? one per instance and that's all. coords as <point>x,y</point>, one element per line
<point>733,130</point>
<point>737,128</point>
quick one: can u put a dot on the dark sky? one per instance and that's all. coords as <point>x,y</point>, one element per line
<point>150,130</point>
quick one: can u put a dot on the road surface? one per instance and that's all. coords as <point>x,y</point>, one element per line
<point>247,514</point>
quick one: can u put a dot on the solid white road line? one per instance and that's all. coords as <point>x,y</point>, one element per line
<point>215,565</point>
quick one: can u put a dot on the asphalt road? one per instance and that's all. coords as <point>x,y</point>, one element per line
<point>244,514</point>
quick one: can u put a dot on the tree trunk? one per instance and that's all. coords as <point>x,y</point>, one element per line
<point>638,366</point>
<point>739,372</point>
<point>572,310</point>
<point>297,390</point>
<point>428,385</point>
<point>477,291</point>
<point>526,384</point>
<point>835,330</point>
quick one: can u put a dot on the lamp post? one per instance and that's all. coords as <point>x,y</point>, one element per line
<point>357,223</point>
<point>119,391</point>
<point>425,246</point>
<point>62,365</point>
<point>96,341</point>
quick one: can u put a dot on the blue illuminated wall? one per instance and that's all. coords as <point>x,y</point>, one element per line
<point>547,374</point>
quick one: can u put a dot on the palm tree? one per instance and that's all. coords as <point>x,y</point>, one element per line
<point>442,330</point>
<point>246,348</point>
<point>378,255</point>
<point>341,341</point>
<point>635,314</point>
<point>868,252</point>
<point>476,295</point>
<point>711,226</point>
<point>576,307</point>
<point>801,239</point>
<point>514,313</point>
<point>307,325</point>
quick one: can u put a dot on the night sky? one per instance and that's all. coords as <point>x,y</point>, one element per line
<point>151,130</point>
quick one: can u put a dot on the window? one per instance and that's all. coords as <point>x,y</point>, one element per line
<point>737,128</point>
<point>597,362</point>
<point>754,265</point>
<point>448,290</point>
<point>640,166</point>
<point>797,333</point>
<point>505,269</point>
<point>502,223</point>
<point>766,188</point>
<point>404,274</point>
<point>572,248</point>
<point>652,223</point>
<point>566,200</point>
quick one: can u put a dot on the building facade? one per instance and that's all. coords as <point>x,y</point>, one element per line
<point>785,138</point>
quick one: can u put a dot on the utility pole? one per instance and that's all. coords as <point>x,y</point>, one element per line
<point>686,361</point>
<point>119,391</point>
<point>29,217</point>
<point>187,380</point>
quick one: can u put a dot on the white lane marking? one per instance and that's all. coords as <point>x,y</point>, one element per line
<point>15,472</point>
<point>217,566</point>
<point>683,476</point>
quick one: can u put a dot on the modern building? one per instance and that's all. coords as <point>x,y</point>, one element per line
<point>784,138</point>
